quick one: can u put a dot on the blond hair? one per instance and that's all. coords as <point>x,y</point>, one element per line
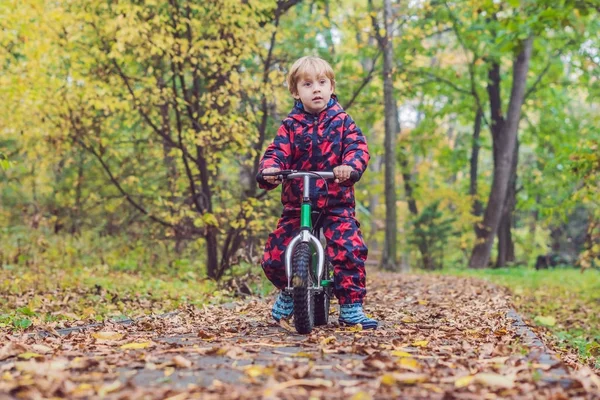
<point>306,65</point>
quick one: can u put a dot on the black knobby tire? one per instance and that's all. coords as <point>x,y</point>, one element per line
<point>322,299</point>
<point>301,282</point>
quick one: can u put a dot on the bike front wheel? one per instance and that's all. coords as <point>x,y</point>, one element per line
<point>302,289</point>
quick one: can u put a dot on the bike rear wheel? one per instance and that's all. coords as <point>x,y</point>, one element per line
<point>322,299</point>
<point>302,292</point>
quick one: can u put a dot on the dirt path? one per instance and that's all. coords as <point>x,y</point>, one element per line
<point>440,338</point>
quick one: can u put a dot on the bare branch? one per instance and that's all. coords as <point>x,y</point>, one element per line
<point>364,83</point>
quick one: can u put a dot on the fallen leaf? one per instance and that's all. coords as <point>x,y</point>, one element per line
<point>354,328</point>
<point>83,390</point>
<point>11,350</point>
<point>463,381</point>
<point>408,319</point>
<point>137,345</point>
<point>286,325</point>
<point>28,355</point>
<point>361,396</point>
<point>205,335</point>
<point>545,320</point>
<point>109,388</point>
<point>406,378</point>
<point>409,363</point>
<point>40,348</point>
<point>328,340</point>
<point>399,353</point>
<point>421,343</point>
<point>315,383</point>
<point>303,354</point>
<point>495,380</point>
<point>48,368</point>
<point>254,371</point>
<point>180,396</point>
<point>181,362</point>
<point>108,335</point>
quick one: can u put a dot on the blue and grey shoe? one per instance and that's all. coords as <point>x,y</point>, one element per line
<point>353,314</point>
<point>283,307</point>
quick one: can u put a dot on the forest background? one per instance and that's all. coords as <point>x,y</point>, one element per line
<point>130,134</point>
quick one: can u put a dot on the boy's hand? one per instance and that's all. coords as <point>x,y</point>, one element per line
<point>271,179</point>
<point>342,173</point>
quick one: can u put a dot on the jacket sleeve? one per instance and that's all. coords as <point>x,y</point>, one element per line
<point>277,154</point>
<point>356,152</point>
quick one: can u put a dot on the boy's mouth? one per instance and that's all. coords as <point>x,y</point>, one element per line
<point>317,98</point>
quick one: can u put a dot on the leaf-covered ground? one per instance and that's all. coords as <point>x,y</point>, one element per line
<point>440,337</point>
<point>566,301</point>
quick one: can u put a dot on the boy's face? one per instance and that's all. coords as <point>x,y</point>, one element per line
<point>314,91</point>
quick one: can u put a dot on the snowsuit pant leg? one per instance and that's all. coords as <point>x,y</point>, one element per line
<point>347,252</point>
<point>273,261</point>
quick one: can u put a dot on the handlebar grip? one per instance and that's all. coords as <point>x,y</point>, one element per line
<point>260,179</point>
<point>354,177</point>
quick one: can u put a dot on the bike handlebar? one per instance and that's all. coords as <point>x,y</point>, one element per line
<point>292,174</point>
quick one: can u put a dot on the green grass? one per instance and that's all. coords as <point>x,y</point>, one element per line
<point>564,300</point>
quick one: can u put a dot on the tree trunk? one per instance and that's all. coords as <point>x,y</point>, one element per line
<point>374,200</point>
<point>474,164</point>
<point>506,246</point>
<point>504,144</point>
<point>391,130</point>
<point>212,262</point>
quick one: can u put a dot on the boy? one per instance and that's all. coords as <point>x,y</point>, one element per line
<point>319,135</point>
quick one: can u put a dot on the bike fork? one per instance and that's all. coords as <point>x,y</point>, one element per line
<point>305,237</point>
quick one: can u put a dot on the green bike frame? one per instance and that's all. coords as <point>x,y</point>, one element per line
<point>305,235</point>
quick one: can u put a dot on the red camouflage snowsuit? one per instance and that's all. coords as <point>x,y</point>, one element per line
<point>320,142</point>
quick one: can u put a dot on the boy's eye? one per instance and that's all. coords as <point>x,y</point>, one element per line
<point>322,81</point>
<point>306,83</point>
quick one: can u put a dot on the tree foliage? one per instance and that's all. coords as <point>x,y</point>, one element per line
<point>148,119</point>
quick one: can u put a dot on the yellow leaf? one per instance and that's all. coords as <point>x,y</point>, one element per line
<point>303,354</point>
<point>108,388</point>
<point>83,389</point>
<point>354,328</point>
<point>107,335</point>
<point>423,302</point>
<point>545,320</point>
<point>210,219</point>
<point>27,355</point>
<point>169,371</point>
<point>400,353</point>
<point>388,380</point>
<point>408,319</point>
<point>406,378</point>
<point>421,343</point>
<point>495,380</point>
<point>463,381</point>
<point>409,363</point>
<point>254,371</point>
<point>135,346</point>
<point>361,396</point>
<point>328,340</point>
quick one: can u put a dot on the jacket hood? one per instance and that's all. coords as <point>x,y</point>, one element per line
<point>301,115</point>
